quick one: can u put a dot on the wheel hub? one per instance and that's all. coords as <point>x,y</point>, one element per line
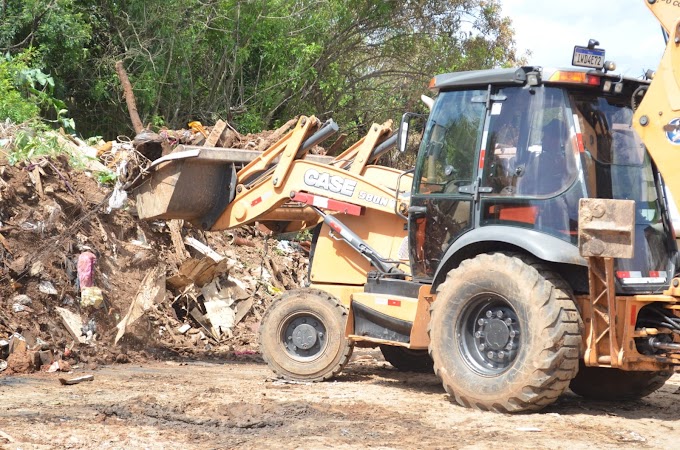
<point>304,336</point>
<point>497,334</point>
<point>490,335</point>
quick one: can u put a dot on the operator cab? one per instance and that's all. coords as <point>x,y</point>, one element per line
<point>507,154</point>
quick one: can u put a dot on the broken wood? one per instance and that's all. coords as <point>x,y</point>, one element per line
<point>277,134</point>
<point>229,138</point>
<point>129,97</point>
<point>198,272</point>
<point>274,279</point>
<point>5,244</point>
<point>76,380</point>
<point>37,182</point>
<point>215,133</point>
<point>175,227</point>
<point>337,144</point>
<point>201,247</point>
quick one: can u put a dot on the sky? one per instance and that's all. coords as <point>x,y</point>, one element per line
<point>626,29</point>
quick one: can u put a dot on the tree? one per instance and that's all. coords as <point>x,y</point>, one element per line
<point>255,63</point>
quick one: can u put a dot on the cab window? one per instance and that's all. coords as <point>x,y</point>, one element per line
<point>529,151</point>
<point>451,138</point>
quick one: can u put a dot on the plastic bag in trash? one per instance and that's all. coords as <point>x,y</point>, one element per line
<point>86,262</point>
<point>91,296</point>
<point>117,199</point>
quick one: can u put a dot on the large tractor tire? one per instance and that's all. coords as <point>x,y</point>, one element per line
<point>601,383</point>
<point>505,334</point>
<point>302,336</point>
<point>406,359</point>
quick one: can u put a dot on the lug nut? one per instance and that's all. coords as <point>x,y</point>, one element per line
<point>513,333</point>
<point>499,314</point>
<point>481,347</point>
<point>478,334</point>
<point>481,322</point>
<point>490,355</point>
<point>508,321</point>
<point>501,355</point>
<point>489,314</point>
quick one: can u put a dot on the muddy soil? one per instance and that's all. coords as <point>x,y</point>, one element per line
<point>236,404</point>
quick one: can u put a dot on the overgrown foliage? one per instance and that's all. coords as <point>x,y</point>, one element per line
<point>255,63</point>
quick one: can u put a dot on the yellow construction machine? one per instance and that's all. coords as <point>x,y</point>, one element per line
<point>529,250</point>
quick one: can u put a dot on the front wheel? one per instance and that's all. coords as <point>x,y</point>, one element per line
<point>302,336</point>
<point>505,334</point>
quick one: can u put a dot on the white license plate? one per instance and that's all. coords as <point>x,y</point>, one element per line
<point>588,57</point>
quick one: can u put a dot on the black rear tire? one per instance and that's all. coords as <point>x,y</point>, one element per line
<point>302,336</point>
<point>505,334</point>
<point>406,359</point>
<point>601,383</point>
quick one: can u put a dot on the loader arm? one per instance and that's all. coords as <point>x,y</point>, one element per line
<point>341,180</point>
<point>657,118</point>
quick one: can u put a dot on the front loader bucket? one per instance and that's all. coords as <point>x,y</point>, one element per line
<point>195,185</point>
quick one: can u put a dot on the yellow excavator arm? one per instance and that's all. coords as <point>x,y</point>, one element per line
<point>657,118</point>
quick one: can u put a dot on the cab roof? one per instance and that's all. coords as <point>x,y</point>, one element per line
<point>517,75</point>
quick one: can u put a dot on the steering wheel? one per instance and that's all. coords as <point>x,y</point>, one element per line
<point>453,185</point>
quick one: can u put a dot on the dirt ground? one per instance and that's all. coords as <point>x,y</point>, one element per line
<point>237,404</point>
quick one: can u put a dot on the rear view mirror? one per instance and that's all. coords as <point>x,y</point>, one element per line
<point>405,127</point>
<point>403,133</point>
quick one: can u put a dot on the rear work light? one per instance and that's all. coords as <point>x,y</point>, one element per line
<point>562,76</point>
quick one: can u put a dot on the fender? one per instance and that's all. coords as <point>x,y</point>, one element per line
<point>543,246</point>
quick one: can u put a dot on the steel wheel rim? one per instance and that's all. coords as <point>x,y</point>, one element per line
<point>489,334</point>
<point>304,336</point>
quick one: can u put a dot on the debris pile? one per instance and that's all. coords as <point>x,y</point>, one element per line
<point>84,282</point>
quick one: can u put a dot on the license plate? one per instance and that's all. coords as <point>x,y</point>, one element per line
<point>588,57</point>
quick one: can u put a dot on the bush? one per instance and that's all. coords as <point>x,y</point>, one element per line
<point>13,105</point>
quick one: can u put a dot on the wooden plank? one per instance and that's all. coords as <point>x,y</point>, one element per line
<point>175,227</point>
<point>215,133</point>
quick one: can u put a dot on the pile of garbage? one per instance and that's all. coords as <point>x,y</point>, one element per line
<point>83,281</point>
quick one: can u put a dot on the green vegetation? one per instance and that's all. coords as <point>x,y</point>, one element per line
<point>254,63</point>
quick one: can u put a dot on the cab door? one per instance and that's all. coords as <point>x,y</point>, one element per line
<point>445,178</point>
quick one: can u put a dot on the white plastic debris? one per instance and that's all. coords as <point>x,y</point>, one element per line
<point>117,199</point>
<point>22,299</point>
<point>285,247</point>
<point>46,287</point>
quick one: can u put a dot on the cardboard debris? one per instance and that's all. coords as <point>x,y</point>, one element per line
<point>73,323</point>
<point>202,321</point>
<point>242,309</point>
<point>198,272</point>
<point>220,315</point>
<point>151,292</point>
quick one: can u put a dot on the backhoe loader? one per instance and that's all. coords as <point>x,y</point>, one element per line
<point>529,251</point>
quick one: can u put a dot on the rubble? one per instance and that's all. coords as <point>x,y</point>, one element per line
<point>85,282</point>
